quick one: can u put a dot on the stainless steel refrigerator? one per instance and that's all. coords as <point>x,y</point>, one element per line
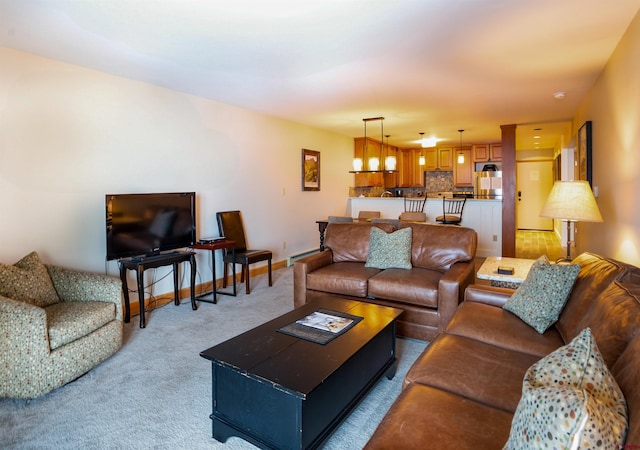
<point>488,185</point>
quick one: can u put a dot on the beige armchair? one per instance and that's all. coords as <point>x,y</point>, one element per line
<point>55,325</point>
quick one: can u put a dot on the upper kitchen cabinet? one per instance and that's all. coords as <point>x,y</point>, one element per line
<point>410,172</point>
<point>463,167</point>
<point>440,158</point>
<point>487,152</point>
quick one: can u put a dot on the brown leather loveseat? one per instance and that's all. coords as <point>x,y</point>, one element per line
<point>463,391</point>
<point>442,266</point>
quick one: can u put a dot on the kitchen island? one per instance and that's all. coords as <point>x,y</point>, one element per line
<point>484,216</point>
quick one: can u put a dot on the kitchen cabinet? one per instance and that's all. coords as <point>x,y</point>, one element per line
<point>410,171</point>
<point>496,152</point>
<point>463,171</point>
<point>487,152</point>
<point>438,158</point>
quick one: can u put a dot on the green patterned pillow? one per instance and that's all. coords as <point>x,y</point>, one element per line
<point>389,250</point>
<point>570,400</point>
<point>28,281</point>
<point>543,294</point>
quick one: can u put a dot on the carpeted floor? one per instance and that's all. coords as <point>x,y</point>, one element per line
<point>156,391</point>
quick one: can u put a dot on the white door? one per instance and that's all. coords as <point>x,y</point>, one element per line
<point>534,180</point>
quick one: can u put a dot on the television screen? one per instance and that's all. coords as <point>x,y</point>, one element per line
<point>147,224</point>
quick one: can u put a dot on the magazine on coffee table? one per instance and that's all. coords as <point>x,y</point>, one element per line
<point>321,326</point>
<point>325,322</point>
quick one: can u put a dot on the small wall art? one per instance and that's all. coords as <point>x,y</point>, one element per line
<point>310,170</point>
<point>584,152</point>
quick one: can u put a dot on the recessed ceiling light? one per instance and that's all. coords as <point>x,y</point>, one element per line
<point>559,95</point>
<point>536,137</point>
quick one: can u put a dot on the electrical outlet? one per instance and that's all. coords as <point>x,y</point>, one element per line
<point>283,192</point>
<point>284,245</point>
<point>495,238</point>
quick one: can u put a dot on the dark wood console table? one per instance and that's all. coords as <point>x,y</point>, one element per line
<point>322,226</point>
<point>213,246</point>
<point>143,263</point>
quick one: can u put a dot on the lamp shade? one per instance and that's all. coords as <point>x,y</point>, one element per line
<point>572,201</point>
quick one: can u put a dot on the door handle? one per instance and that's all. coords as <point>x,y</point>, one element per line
<point>519,195</point>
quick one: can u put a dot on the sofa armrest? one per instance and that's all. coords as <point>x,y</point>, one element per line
<point>489,295</point>
<point>80,286</point>
<point>300,270</point>
<point>451,290</point>
<point>23,328</point>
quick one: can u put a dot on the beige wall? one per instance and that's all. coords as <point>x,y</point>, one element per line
<point>69,135</point>
<point>613,106</point>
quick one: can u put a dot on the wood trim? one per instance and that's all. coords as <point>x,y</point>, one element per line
<point>508,190</point>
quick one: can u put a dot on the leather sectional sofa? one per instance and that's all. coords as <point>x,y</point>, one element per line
<point>442,266</point>
<point>463,391</point>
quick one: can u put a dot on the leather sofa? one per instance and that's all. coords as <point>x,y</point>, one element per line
<point>442,260</point>
<point>462,392</point>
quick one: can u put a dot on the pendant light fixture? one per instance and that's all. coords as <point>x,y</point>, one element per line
<point>460,154</point>
<point>421,160</point>
<point>373,163</point>
<point>390,160</point>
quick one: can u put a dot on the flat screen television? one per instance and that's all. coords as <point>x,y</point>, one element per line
<point>148,224</point>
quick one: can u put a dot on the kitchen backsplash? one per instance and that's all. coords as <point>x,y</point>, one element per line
<point>438,181</point>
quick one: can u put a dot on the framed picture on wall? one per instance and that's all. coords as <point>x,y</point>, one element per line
<point>310,170</point>
<point>584,152</point>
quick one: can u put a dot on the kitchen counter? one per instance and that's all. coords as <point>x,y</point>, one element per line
<point>483,215</point>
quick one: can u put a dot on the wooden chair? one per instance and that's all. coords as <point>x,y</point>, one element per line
<point>368,215</point>
<point>451,211</point>
<point>230,226</point>
<point>414,204</point>
<point>410,216</point>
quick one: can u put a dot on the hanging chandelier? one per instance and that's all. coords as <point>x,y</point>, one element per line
<point>373,163</point>
<point>460,154</point>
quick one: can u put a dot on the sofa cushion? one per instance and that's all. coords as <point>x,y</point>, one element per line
<point>570,399</point>
<point>69,321</point>
<point>28,280</point>
<point>627,374</point>
<point>424,417</point>
<point>495,326</point>
<point>473,369</point>
<point>345,278</point>
<point>614,319</point>
<point>416,286</point>
<point>596,273</point>
<point>389,250</point>
<point>349,242</point>
<point>543,294</point>
<point>438,247</point>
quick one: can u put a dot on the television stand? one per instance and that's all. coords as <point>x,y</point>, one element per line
<point>140,264</point>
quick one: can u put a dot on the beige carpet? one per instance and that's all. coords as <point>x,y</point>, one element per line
<point>156,391</point>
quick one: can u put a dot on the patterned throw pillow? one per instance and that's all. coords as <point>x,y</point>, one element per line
<point>570,400</point>
<point>542,296</point>
<point>389,250</point>
<point>28,280</point>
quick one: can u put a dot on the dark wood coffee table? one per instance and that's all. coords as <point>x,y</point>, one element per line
<point>279,391</point>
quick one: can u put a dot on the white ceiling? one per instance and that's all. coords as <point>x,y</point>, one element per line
<point>434,66</point>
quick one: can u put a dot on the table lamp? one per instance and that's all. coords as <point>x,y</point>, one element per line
<point>571,201</point>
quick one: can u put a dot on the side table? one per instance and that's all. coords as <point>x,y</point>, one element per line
<point>143,263</point>
<point>213,246</point>
<point>489,271</point>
